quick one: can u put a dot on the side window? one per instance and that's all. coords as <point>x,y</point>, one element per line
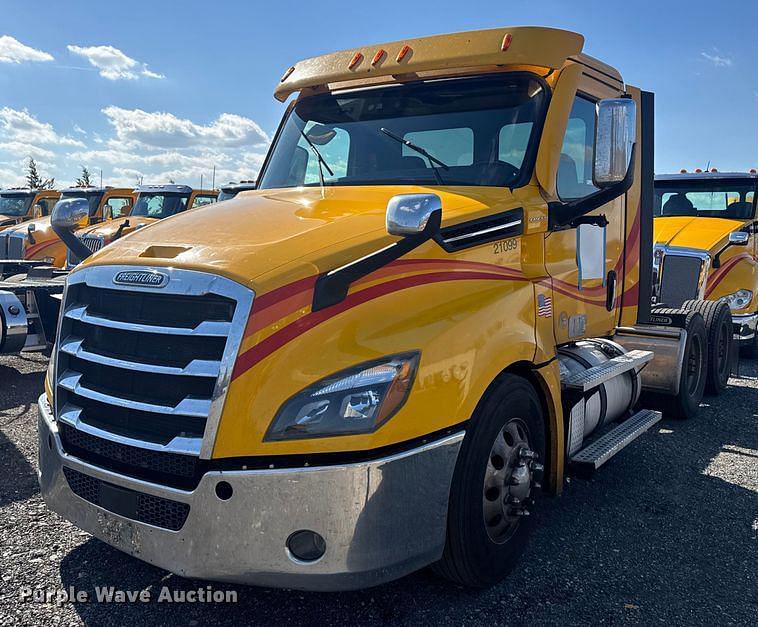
<point>200,201</point>
<point>119,206</point>
<point>577,153</point>
<point>47,205</point>
<point>453,146</point>
<point>334,146</point>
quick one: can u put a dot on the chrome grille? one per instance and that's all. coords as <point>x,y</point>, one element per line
<point>12,245</point>
<point>147,367</point>
<point>92,242</point>
<point>680,279</point>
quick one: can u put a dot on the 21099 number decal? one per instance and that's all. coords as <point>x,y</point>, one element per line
<point>504,246</point>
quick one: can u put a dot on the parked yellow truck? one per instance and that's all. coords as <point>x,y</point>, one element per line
<point>35,239</point>
<point>706,245</point>
<point>21,204</point>
<point>434,304</point>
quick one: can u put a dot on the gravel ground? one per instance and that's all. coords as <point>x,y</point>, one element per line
<point>666,532</point>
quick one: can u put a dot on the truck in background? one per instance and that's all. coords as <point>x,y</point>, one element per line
<point>35,240</point>
<point>230,190</point>
<point>21,204</point>
<point>436,304</point>
<point>706,248</point>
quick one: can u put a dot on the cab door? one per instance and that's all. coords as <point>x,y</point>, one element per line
<point>584,263</point>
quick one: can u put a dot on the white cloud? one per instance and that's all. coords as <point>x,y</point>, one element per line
<point>79,129</point>
<point>13,51</point>
<point>717,59</point>
<point>23,149</point>
<point>113,64</point>
<point>135,127</point>
<point>21,126</point>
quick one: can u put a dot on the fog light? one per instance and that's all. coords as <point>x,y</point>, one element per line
<point>306,546</point>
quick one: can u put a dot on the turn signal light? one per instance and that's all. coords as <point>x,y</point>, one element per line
<point>713,170</point>
<point>682,171</point>
<point>698,170</point>
<point>378,56</point>
<point>357,58</point>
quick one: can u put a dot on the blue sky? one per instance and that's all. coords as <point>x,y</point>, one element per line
<point>166,89</point>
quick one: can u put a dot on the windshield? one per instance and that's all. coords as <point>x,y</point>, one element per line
<point>93,199</point>
<point>159,205</point>
<point>15,205</point>
<point>477,131</point>
<point>706,199</point>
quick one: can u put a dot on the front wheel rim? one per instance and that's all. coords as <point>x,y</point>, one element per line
<point>509,481</point>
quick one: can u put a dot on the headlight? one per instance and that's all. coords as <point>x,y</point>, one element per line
<point>739,300</point>
<point>358,400</point>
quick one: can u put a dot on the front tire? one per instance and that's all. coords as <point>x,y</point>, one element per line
<point>495,481</point>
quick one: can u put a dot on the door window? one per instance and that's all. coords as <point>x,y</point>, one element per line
<point>578,152</point>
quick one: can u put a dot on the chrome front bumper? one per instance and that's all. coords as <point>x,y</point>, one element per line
<point>380,519</point>
<point>745,326</point>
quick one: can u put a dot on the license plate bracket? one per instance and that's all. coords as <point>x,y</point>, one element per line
<point>118,500</point>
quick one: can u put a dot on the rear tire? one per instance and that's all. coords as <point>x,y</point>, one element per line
<point>719,331</point>
<point>495,478</point>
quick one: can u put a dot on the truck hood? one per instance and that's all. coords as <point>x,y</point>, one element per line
<point>109,228</point>
<point>261,230</point>
<point>688,232</point>
<point>6,221</point>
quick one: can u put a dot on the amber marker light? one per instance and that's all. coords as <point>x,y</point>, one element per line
<point>357,58</point>
<point>506,42</point>
<point>287,74</point>
<point>404,52</point>
<point>378,56</point>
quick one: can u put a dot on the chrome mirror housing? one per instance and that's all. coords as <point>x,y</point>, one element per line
<point>69,213</point>
<point>410,214</point>
<point>739,238</point>
<point>615,136</point>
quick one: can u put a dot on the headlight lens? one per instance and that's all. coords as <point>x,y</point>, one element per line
<point>358,400</point>
<point>739,300</point>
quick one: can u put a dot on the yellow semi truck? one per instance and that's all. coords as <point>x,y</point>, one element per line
<point>706,245</point>
<point>434,305</point>
<point>21,204</point>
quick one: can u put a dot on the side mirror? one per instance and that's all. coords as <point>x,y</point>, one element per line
<point>615,136</point>
<point>68,215</point>
<point>412,214</point>
<point>37,211</point>
<point>739,238</point>
<point>107,213</point>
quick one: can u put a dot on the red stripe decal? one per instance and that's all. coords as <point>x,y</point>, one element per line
<point>720,274</point>
<point>276,340</point>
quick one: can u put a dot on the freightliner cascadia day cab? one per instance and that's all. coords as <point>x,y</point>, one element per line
<point>706,245</point>
<point>36,240</point>
<point>21,204</point>
<point>377,360</point>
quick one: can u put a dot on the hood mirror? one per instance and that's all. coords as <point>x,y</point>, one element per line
<point>69,215</point>
<point>739,238</point>
<point>413,214</point>
<point>37,211</point>
<point>615,135</point>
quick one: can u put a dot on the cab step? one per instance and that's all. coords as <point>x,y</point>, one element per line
<point>591,378</point>
<point>601,450</point>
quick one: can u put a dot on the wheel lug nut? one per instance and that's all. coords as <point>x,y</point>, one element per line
<point>514,500</point>
<point>526,453</point>
<point>537,467</point>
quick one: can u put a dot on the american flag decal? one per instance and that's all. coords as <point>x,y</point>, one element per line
<point>544,306</point>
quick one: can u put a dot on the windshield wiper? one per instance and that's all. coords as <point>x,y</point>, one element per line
<point>433,161</point>
<point>321,161</point>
